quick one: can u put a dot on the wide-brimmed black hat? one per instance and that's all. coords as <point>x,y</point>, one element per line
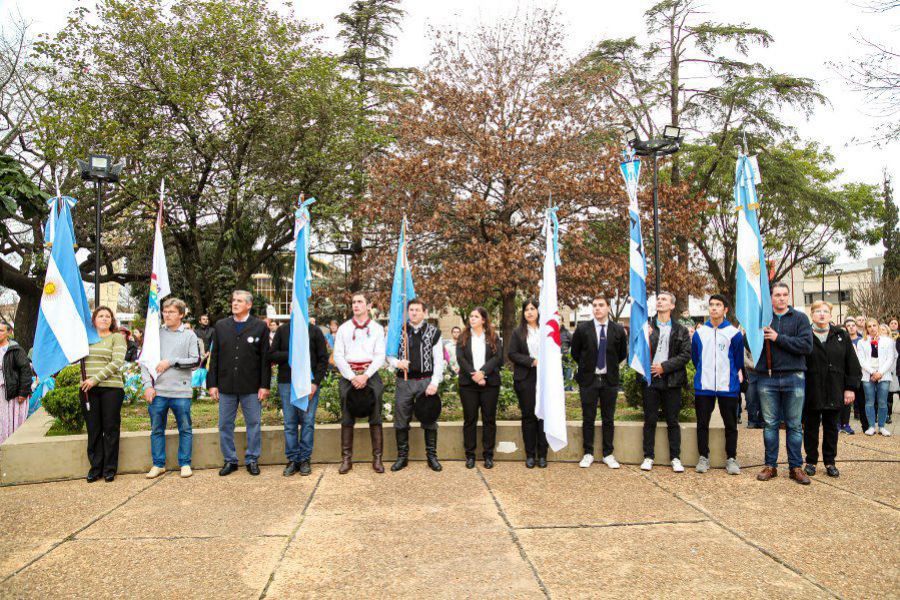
<point>427,408</point>
<point>361,402</point>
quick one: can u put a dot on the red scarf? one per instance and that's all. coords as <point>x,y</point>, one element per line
<point>358,326</point>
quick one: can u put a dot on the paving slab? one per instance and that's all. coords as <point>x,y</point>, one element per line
<point>567,495</point>
<point>827,533</point>
<point>885,446</point>
<point>182,568</point>
<point>751,449</point>
<point>875,481</point>
<point>35,517</point>
<point>208,505</point>
<point>653,561</point>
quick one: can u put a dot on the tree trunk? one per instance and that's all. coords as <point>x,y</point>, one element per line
<point>507,320</point>
<point>26,318</point>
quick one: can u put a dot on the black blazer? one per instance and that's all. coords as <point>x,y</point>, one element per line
<point>239,362</point>
<point>674,373</point>
<point>584,351</point>
<point>832,369</point>
<point>318,353</point>
<point>519,356</point>
<point>492,363</point>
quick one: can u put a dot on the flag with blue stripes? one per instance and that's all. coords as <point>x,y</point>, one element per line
<point>753,303</point>
<point>639,335</point>
<point>401,293</point>
<point>298,351</point>
<point>64,328</point>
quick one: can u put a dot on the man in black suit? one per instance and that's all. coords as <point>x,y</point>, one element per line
<point>240,373</point>
<point>598,346</point>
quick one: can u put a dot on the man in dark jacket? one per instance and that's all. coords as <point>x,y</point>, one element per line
<point>781,383</point>
<point>670,351</point>
<point>299,451</point>
<point>204,333</point>
<point>240,373</point>
<point>15,383</point>
<point>598,346</point>
<point>832,374</point>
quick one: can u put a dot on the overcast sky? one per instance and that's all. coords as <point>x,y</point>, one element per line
<point>808,35</point>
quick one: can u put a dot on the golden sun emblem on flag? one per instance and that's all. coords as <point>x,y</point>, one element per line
<point>754,268</point>
<point>51,290</point>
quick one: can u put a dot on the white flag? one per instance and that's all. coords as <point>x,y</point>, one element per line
<point>159,289</point>
<point>551,395</point>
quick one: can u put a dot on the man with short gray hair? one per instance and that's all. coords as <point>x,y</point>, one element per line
<point>240,374</point>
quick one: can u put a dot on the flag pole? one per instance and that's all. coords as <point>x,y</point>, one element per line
<point>403,313</point>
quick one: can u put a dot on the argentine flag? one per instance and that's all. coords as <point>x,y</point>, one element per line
<point>298,352</point>
<point>639,334</point>
<point>401,293</point>
<point>64,328</point>
<point>753,303</point>
<point>159,289</point>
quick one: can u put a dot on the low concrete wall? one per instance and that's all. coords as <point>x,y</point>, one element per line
<point>30,456</point>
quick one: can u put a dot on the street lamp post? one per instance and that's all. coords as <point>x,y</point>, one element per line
<point>823,262</point>
<point>669,143</point>
<point>840,304</point>
<point>100,169</point>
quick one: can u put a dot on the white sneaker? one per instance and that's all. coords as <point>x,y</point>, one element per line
<point>186,471</point>
<point>586,461</point>
<point>611,462</point>
<point>870,431</point>
<point>155,472</point>
<point>702,465</point>
<point>885,432</point>
<point>732,467</point>
<point>647,464</point>
<point>677,466</point>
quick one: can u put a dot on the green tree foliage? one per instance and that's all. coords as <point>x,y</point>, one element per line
<point>890,234</point>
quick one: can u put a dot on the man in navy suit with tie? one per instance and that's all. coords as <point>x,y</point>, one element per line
<point>598,346</point>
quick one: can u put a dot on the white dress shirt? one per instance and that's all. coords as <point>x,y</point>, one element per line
<point>367,345</point>
<point>478,351</point>
<point>597,326</point>
<point>533,341</point>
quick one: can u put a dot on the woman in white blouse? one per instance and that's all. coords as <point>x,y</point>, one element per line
<point>479,353</point>
<point>523,353</point>
<point>877,356</point>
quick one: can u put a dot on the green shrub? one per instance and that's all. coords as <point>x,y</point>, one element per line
<point>631,387</point>
<point>64,403</point>
<point>69,376</point>
<point>508,396</point>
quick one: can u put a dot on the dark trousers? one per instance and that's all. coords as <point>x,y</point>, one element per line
<point>598,392</point>
<point>846,411</point>
<point>103,422</point>
<point>532,427</point>
<point>828,419</point>
<point>670,400</point>
<point>484,398</point>
<point>859,403</point>
<point>728,410</point>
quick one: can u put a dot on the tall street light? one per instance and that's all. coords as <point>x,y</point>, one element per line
<point>100,169</point>
<point>669,143</point>
<point>823,262</point>
<point>840,305</point>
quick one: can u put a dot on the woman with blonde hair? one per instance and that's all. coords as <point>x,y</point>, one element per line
<point>877,358</point>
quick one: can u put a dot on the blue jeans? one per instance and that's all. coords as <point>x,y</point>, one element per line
<point>159,413</point>
<point>876,393</point>
<point>754,411</point>
<point>781,398</point>
<point>298,450</point>
<point>252,410</point>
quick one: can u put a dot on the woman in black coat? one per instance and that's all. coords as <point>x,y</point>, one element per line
<point>523,351</point>
<point>479,354</point>
<point>832,374</point>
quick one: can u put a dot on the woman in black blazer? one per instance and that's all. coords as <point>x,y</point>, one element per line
<point>479,354</point>
<point>524,358</point>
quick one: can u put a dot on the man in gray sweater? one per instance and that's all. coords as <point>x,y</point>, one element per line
<point>169,386</point>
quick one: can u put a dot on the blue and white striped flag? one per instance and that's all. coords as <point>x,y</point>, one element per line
<point>639,334</point>
<point>159,289</point>
<point>753,303</point>
<point>402,292</point>
<point>64,328</point>
<point>60,206</point>
<point>298,352</point>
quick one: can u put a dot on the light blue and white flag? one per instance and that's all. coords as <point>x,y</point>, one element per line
<point>64,328</point>
<point>159,289</point>
<point>401,293</point>
<point>298,351</point>
<point>753,303</point>
<point>639,334</point>
<point>60,206</point>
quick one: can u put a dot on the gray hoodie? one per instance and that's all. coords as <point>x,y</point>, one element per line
<point>180,348</point>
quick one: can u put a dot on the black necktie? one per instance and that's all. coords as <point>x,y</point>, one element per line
<point>601,349</point>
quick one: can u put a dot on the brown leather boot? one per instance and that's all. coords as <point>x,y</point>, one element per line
<point>767,473</point>
<point>346,449</point>
<point>799,476</point>
<point>377,447</point>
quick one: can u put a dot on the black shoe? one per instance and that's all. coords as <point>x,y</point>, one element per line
<point>810,470</point>
<point>889,420</point>
<point>291,468</point>
<point>91,478</point>
<point>832,471</point>
<point>529,462</point>
<point>542,462</point>
<point>433,463</point>
<point>227,469</point>
<point>253,468</point>
<point>305,469</point>
<point>109,478</point>
<point>488,462</point>
<point>470,462</point>
<point>400,463</point>
<point>431,450</point>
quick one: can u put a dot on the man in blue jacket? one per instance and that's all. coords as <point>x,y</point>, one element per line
<point>781,382</point>
<point>717,350</point>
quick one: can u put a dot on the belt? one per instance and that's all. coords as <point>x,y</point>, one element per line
<point>359,367</point>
